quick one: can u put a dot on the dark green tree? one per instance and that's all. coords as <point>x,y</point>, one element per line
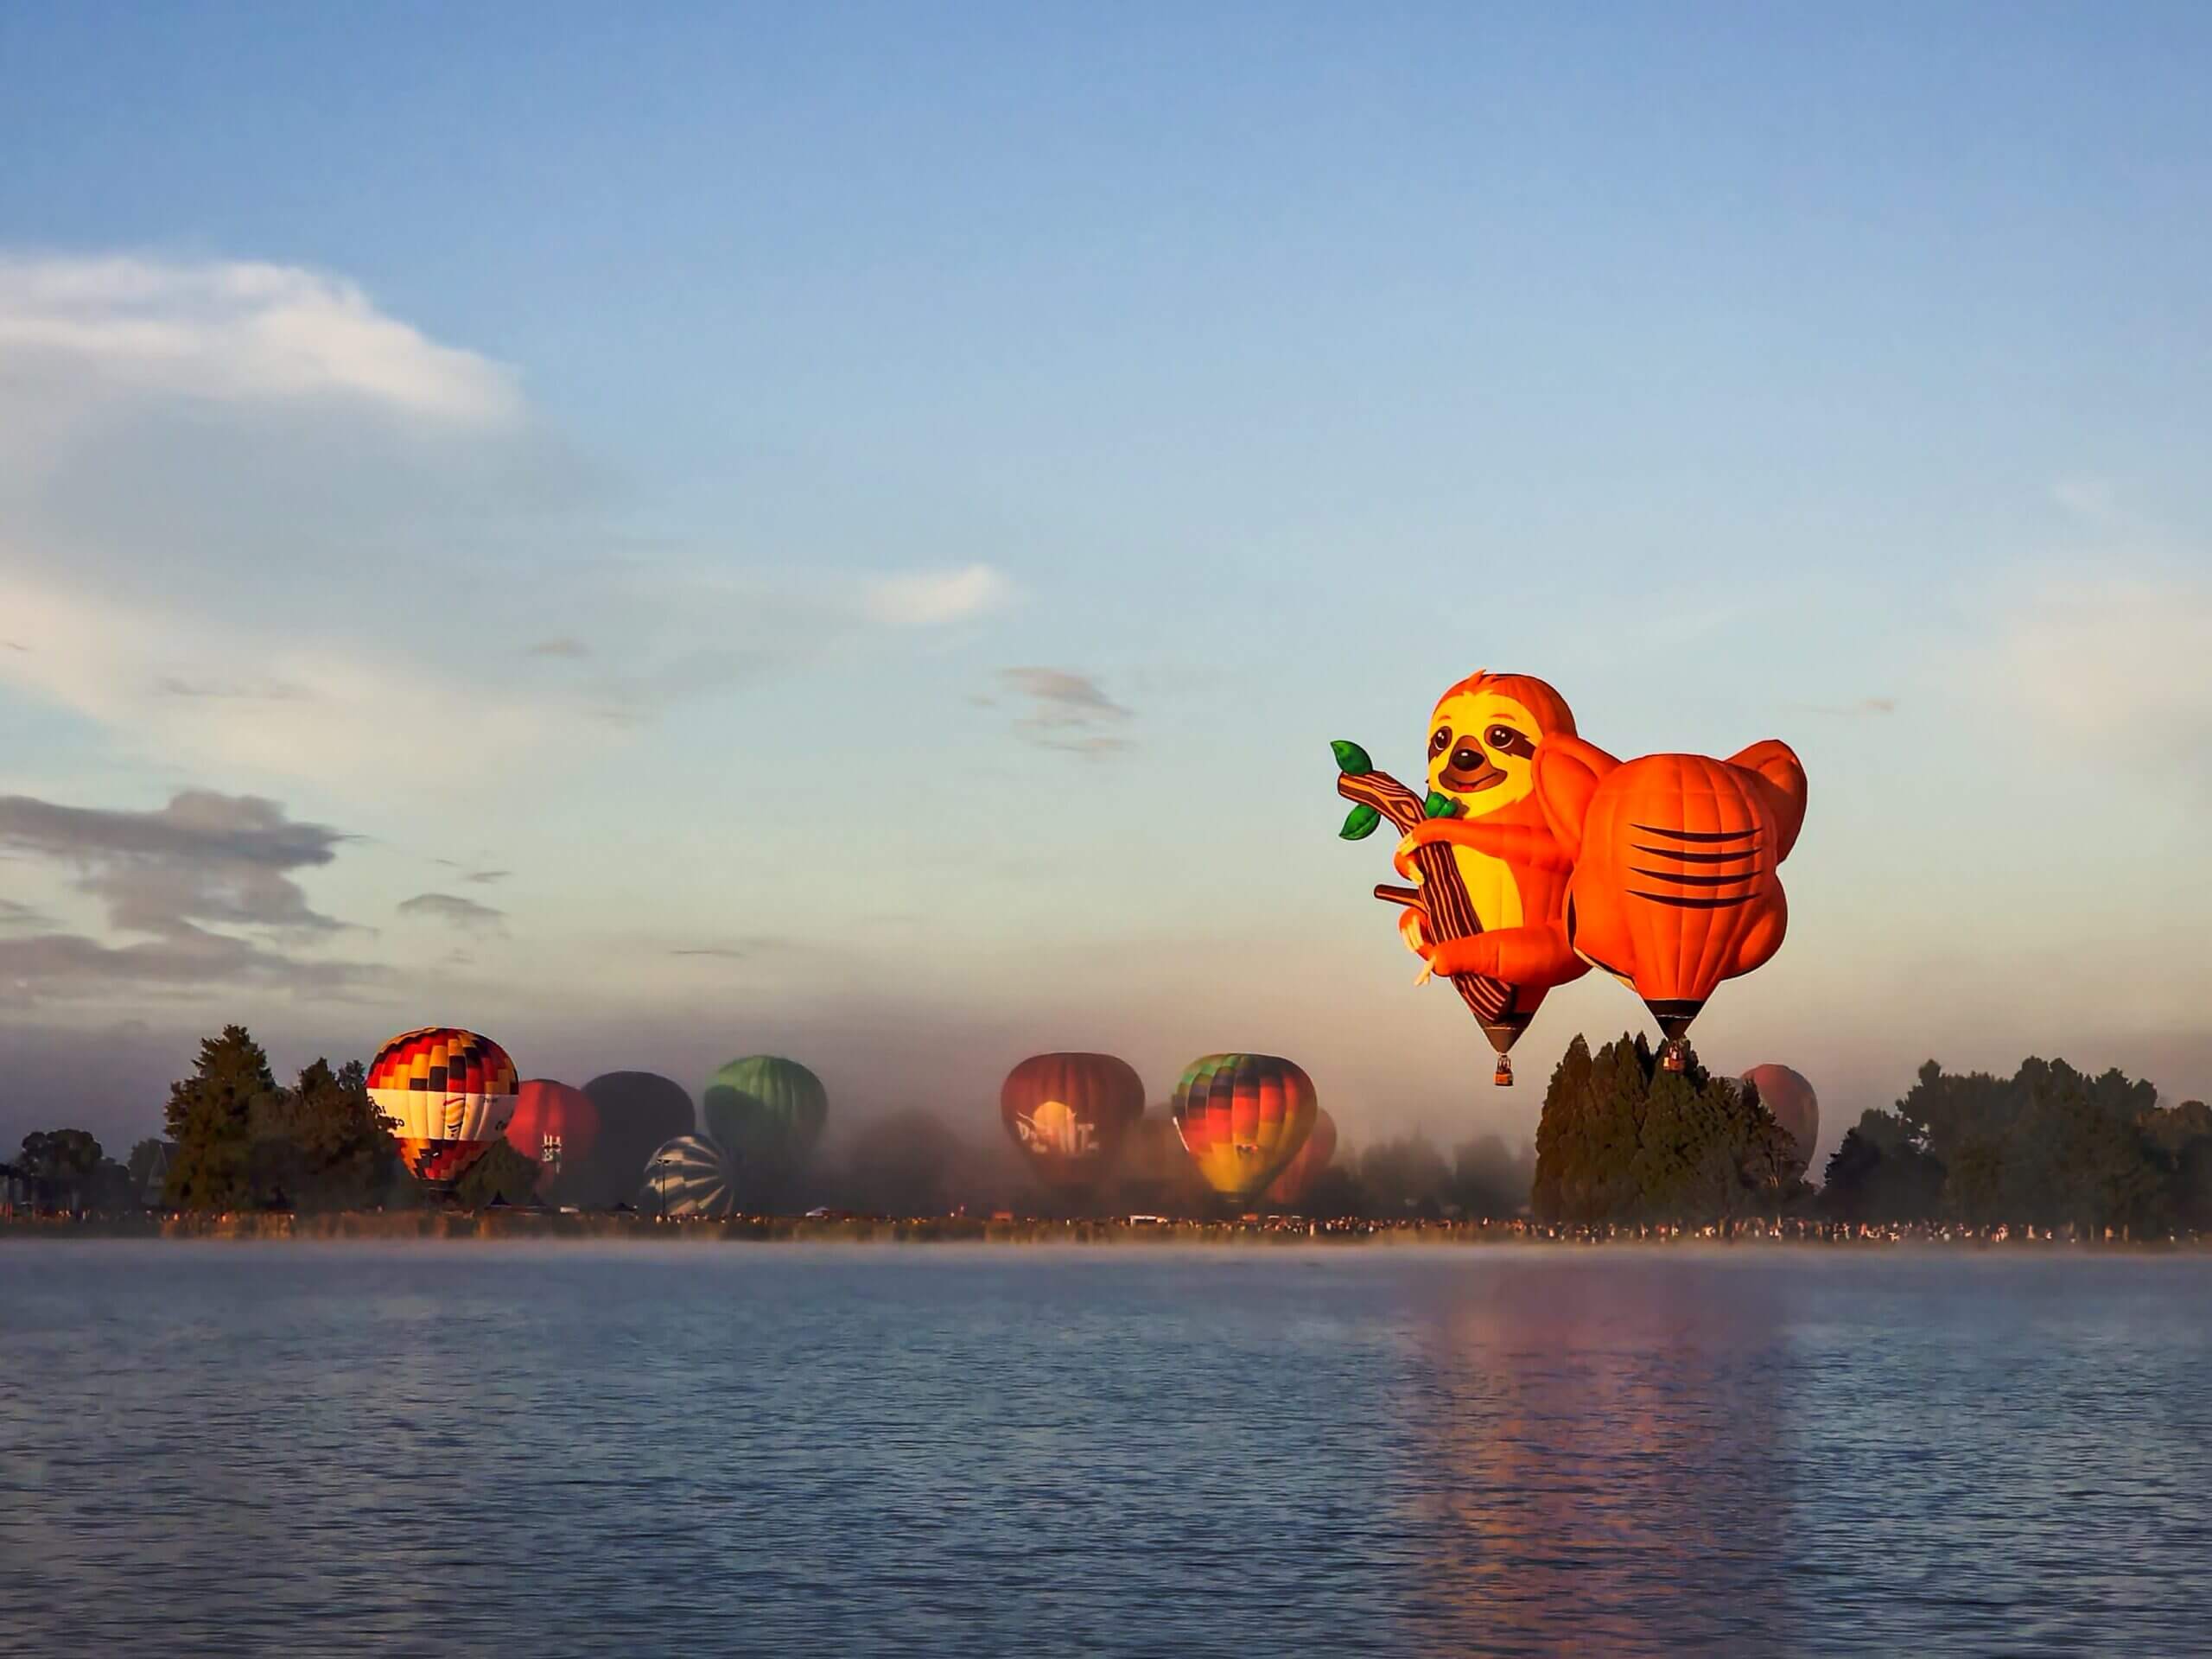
<point>62,1165</point>
<point>322,1144</point>
<point>1406,1178</point>
<point>1878,1174</point>
<point>902,1165</point>
<point>148,1166</point>
<point>1338,1191</point>
<point>1490,1179</point>
<point>210,1120</point>
<point>2172,1128</point>
<point>503,1173</point>
<point>1623,1140</point>
<point>2049,1145</point>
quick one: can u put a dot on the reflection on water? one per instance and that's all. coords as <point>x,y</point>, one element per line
<point>427,1449</point>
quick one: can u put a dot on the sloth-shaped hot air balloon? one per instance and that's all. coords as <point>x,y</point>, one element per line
<point>1487,909</point>
<point>447,1095</point>
<point>1069,1113</point>
<point>1242,1118</point>
<point>1675,884</point>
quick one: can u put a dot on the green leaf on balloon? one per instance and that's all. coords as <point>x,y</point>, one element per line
<point>1360,824</point>
<point>1350,758</point>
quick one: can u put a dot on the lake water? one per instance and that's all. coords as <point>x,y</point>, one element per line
<point>546,1450</point>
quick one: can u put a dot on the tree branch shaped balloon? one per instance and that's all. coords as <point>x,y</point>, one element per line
<point>1441,900</point>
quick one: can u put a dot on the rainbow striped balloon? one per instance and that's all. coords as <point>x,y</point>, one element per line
<point>1243,1117</point>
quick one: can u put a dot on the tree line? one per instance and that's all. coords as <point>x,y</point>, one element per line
<point>2047,1146</point>
<point>1621,1140</point>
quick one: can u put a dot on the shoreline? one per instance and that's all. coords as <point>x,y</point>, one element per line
<point>501,1226</point>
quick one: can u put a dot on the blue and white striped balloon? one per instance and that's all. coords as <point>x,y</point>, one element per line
<point>693,1175</point>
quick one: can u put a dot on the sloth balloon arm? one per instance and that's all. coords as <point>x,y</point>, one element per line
<point>1530,846</point>
<point>1534,955</point>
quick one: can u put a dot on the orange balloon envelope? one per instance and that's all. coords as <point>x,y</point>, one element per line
<point>445,1094</point>
<point>554,1126</point>
<point>1299,1175</point>
<point>1675,856</point>
<point>1786,1094</point>
<point>1069,1114</point>
<point>1242,1118</point>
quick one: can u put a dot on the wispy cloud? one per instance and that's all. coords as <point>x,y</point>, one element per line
<point>205,857</point>
<point>219,331</point>
<point>451,910</point>
<point>747,949</point>
<point>206,861</point>
<point>1067,711</point>
<point>52,966</point>
<point>1861,708</point>
<point>15,916</point>
<point>932,599</point>
<point>170,685</point>
<point>2119,657</point>
<point>485,878</point>
<point>174,433</point>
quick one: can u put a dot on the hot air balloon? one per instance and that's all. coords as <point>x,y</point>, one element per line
<point>1487,910</point>
<point>1243,1117</point>
<point>767,1112</point>
<point>554,1126</point>
<point>689,1176</point>
<point>1290,1188</point>
<point>447,1095</point>
<point>638,1111</point>
<point>1069,1114</point>
<point>1790,1098</point>
<point>1675,886</point>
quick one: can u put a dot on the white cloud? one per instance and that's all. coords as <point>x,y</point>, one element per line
<point>934,599</point>
<point>2119,659</point>
<point>310,708</point>
<point>261,532</point>
<point>234,332</point>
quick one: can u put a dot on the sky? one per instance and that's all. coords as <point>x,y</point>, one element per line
<point>847,531</point>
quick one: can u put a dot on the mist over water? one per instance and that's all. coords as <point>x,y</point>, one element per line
<point>571,1450</point>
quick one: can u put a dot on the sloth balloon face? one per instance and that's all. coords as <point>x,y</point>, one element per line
<point>1482,738</point>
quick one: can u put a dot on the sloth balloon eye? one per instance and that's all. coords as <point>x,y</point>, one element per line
<point>1442,741</point>
<point>1507,740</point>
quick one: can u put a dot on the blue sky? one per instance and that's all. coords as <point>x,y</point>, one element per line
<point>855,525</point>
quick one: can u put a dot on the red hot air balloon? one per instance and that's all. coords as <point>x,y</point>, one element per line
<point>1299,1175</point>
<point>1790,1098</point>
<point>1069,1113</point>
<point>555,1126</point>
